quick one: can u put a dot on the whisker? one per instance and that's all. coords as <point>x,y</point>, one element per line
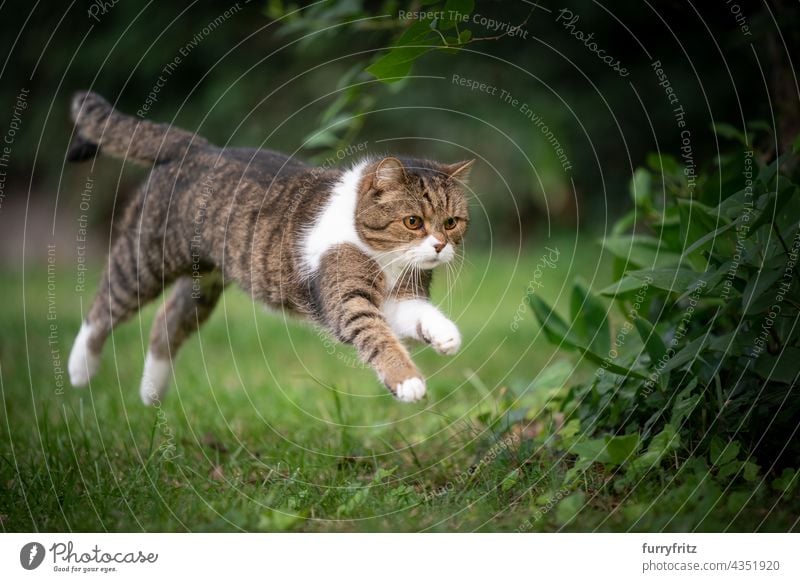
<point>386,266</point>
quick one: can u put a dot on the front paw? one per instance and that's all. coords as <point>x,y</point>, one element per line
<point>442,334</point>
<point>411,390</point>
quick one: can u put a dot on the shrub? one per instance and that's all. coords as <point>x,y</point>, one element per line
<point>701,354</point>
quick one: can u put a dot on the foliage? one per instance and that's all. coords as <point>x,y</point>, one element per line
<point>408,40</point>
<point>296,77</point>
<point>691,449</point>
<point>700,356</point>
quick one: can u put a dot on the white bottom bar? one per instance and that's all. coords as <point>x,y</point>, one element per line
<point>389,557</point>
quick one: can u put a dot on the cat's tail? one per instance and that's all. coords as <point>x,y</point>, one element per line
<point>100,127</point>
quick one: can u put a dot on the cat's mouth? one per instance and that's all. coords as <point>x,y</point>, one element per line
<point>425,257</point>
<point>432,263</point>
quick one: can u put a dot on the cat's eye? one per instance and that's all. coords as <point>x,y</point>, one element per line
<point>450,223</point>
<point>413,222</point>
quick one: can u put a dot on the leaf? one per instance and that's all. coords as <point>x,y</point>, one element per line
<point>320,139</point>
<point>558,333</point>
<point>610,450</point>
<point>652,341</point>
<point>665,442</point>
<point>570,429</point>
<point>552,377</point>
<point>640,188</point>
<point>726,179</point>
<point>608,365</point>
<point>685,403</point>
<point>787,482</point>
<point>589,319</point>
<point>775,201</point>
<point>697,220</point>
<point>712,279</point>
<point>415,34</point>
<point>759,125</point>
<point>660,446</point>
<point>722,452</point>
<point>593,450</point>
<point>786,218</point>
<point>641,251</point>
<point>396,64</point>
<point>750,471</point>
<point>382,474</point>
<point>510,480</point>
<point>412,44</point>
<point>674,279</point>
<point>622,448</point>
<point>625,223</point>
<point>688,353</point>
<point>759,294</point>
<point>666,164</point>
<point>728,469</point>
<point>737,500</point>
<point>668,229</point>
<point>569,507</point>
<point>623,286</point>
<point>555,328</point>
<point>768,172</point>
<point>783,367</point>
<point>335,108</point>
<point>729,132</point>
<point>708,237</point>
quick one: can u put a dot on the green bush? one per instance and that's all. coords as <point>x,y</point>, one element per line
<point>697,353</point>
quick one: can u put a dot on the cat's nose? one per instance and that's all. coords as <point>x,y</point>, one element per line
<point>439,245</point>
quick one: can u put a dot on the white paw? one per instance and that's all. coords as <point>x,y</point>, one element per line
<point>410,390</point>
<point>442,334</point>
<point>155,379</point>
<point>83,363</point>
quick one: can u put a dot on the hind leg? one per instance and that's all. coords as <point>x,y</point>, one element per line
<point>127,284</point>
<point>189,304</point>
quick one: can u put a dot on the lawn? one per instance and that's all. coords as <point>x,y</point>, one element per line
<point>270,426</point>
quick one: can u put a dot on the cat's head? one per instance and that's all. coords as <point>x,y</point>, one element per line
<point>413,212</point>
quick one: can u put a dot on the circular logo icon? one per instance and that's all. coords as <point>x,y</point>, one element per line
<point>31,555</point>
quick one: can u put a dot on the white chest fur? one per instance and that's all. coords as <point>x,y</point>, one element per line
<point>336,225</point>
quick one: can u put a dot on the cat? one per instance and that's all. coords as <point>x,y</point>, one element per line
<point>351,250</point>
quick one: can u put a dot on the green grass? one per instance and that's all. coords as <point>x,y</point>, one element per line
<point>269,426</point>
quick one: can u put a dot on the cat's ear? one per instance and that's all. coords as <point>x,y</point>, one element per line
<point>389,172</point>
<point>460,170</point>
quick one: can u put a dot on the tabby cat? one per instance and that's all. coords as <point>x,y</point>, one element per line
<point>349,249</point>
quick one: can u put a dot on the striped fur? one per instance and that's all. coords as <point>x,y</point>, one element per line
<point>333,246</point>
